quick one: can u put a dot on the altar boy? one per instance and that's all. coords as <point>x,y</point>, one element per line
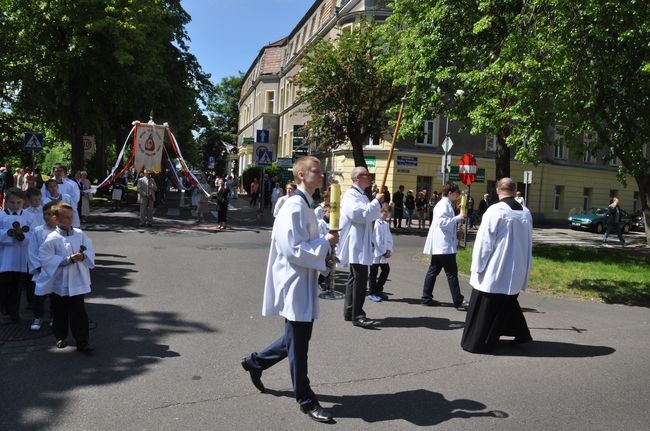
<point>66,258</point>
<point>15,233</point>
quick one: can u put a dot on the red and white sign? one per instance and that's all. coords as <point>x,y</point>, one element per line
<point>467,169</point>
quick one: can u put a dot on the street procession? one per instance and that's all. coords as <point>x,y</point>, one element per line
<point>188,198</point>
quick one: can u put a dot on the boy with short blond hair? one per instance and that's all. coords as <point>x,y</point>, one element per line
<point>66,257</point>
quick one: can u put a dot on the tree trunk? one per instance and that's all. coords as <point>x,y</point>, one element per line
<point>357,151</point>
<point>643,181</point>
<point>502,158</point>
<point>77,149</point>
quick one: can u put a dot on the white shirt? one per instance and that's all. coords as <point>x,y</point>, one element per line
<point>383,241</point>
<point>40,233</point>
<point>296,256</point>
<point>355,235</point>
<point>13,253</point>
<point>502,255</point>
<point>71,188</point>
<point>278,204</point>
<point>441,238</point>
<point>58,277</point>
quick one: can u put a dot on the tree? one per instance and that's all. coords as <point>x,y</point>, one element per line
<point>601,48</point>
<point>344,92</point>
<point>223,114</point>
<point>95,66</point>
<point>473,61</point>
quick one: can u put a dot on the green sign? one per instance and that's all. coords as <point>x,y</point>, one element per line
<point>245,140</point>
<point>371,161</point>
<point>453,175</point>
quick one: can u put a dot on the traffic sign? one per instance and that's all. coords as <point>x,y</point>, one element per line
<point>263,136</point>
<point>33,141</point>
<point>263,154</point>
<point>467,169</point>
<point>528,177</point>
<point>447,144</point>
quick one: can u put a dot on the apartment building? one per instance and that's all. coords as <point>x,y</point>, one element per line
<point>562,183</point>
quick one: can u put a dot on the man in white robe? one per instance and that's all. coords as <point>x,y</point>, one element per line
<point>297,255</point>
<point>441,244</point>
<point>501,263</point>
<point>355,251</point>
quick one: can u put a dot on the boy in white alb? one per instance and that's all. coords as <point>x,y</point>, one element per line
<point>66,258</point>
<point>34,264</point>
<point>35,207</point>
<point>383,249</point>
<point>15,233</point>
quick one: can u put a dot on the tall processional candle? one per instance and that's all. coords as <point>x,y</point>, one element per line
<point>463,205</point>
<point>335,206</point>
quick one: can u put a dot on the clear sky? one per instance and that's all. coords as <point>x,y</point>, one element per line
<point>227,35</point>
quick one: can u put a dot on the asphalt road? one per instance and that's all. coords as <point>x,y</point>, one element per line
<point>176,307</point>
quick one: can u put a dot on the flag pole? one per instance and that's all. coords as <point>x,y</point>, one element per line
<point>392,144</point>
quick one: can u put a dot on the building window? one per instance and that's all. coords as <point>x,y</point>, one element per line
<point>424,183</point>
<point>346,29</point>
<point>635,202</point>
<point>429,134</point>
<point>281,99</point>
<point>270,102</point>
<point>373,141</point>
<point>557,198</point>
<point>586,199</point>
<point>491,144</point>
<point>561,151</point>
<point>588,139</point>
<point>615,161</point>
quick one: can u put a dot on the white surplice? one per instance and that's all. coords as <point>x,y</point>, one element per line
<point>355,236</point>
<point>502,255</point>
<point>441,238</point>
<point>56,275</point>
<point>297,254</point>
<point>382,241</point>
<point>13,253</point>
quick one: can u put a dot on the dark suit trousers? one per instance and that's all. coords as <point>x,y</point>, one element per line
<point>69,310</point>
<point>294,344</point>
<point>11,284</point>
<point>355,292</point>
<point>438,262</point>
<point>376,284</point>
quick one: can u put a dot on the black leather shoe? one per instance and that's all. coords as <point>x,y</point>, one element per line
<point>61,344</point>
<point>430,303</point>
<point>256,375</point>
<point>462,306</point>
<point>317,413</point>
<point>363,322</point>
<point>85,349</point>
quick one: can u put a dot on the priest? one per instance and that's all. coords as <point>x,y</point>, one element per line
<point>501,263</point>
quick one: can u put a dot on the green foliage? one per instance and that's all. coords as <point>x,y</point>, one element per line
<point>93,66</point>
<point>604,274</point>
<point>347,96</point>
<point>248,175</point>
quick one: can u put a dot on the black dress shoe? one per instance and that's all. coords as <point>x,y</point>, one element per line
<point>256,375</point>
<point>317,413</point>
<point>61,344</point>
<point>430,303</point>
<point>521,340</point>
<point>85,349</point>
<point>363,322</point>
<point>462,306</point>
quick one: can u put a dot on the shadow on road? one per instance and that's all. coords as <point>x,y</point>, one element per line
<point>419,407</point>
<point>38,386</point>
<point>552,349</point>
<point>435,323</point>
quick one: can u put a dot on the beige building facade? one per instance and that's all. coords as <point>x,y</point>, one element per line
<point>562,183</point>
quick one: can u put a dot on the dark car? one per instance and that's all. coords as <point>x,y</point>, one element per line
<point>637,222</point>
<point>595,220</point>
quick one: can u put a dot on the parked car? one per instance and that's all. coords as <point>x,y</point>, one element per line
<point>595,220</point>
<point>637,222</point>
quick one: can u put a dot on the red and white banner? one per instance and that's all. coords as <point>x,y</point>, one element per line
<point>148,146</point>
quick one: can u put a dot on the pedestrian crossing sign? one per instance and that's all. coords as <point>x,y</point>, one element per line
<point>263,155</point>
<point>33,141</point>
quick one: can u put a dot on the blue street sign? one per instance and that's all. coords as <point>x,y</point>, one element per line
<point>263,136</point>
<point>33,141</point>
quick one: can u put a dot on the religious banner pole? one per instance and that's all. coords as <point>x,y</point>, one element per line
<point>392,144</point>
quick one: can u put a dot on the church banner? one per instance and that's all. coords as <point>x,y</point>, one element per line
<point>148,143</point>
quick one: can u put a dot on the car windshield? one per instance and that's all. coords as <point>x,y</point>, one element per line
<point>598,211</point>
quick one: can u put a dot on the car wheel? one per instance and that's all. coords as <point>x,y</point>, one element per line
<point>626,228</point>
<point>599,228</point>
